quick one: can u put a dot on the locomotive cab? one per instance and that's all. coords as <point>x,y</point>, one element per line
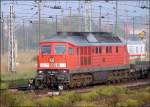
<point>52,56</point>
<point>52,64</point>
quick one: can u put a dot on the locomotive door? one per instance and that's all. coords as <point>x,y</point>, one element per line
<point>72,58</point>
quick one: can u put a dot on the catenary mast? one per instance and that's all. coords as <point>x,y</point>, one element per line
<point>11,41</point>
<point>88,16</point>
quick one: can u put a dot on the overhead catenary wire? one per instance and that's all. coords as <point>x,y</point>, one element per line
<point>44,14</point>
<point>64,10</point>
<point>59,17</point>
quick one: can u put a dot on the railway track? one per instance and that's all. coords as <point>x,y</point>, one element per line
<point>138,85</point>
<point>133,85</point>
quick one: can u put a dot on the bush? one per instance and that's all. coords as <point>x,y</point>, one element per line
<point>90,96</point>
<point>121,104</point>
<point>120,90</point>
<point>4,86</point>
<point>143,97</point>
<point>131,92</point>
<point>111,90</point>
<point>43,101</point>
<point>59,101</point>
<point>132,103</point>
<point>28,103</point>
<point>85,104</point>
<point>147,89</point>
<point>113,100</point>
<point>56,102</point>
<point>17,82</point>
<point>71,98</point>
<point>8,99</point>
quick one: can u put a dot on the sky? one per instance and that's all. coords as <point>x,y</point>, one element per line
<point>26,9</point>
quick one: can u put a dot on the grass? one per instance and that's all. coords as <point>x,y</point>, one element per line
<point>4,86</point>
<point>85,104</point>
<point>121,97</point>
<point>110,90</point>
<point>43,101</point>
<point>91,96</point>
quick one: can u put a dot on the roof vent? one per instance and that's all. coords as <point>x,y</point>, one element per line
<point>91,38</point>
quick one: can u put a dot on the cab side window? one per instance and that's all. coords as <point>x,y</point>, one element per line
<point>70,51</point>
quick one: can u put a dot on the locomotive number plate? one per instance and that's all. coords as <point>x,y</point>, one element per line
<point>52,60</point>
<point>57,64</point>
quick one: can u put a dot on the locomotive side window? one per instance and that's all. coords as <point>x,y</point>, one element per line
<point>70,51</point>
<point>100,50</point>
<point>60,49</point>
<point>117,49</point>
<point>96,50</point>
<point>45,50</point>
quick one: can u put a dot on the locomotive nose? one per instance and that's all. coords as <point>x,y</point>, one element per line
<point>52,56</point>
<point>53,62</point>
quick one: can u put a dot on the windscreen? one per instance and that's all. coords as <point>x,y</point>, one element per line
<point>45,49</point>
<point>60,49</point>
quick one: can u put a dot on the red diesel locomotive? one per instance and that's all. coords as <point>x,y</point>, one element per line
<point>75,59</point>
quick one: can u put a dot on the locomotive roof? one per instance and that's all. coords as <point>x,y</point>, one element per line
<point>86,38</point>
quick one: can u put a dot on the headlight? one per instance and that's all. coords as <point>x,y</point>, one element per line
<point>64,71</point>
<point>40,72</point>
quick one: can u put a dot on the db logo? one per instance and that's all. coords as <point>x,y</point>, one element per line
<point>52,60</point>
